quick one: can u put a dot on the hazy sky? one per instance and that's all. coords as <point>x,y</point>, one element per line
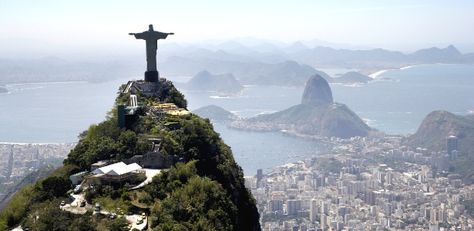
<point>395,24</point>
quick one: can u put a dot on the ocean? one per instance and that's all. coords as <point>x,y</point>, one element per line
<point>395,103</point>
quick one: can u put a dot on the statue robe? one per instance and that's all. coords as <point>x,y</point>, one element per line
<point>151,38</point>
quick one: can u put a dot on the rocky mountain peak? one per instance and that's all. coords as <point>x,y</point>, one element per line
<point>317,92</point>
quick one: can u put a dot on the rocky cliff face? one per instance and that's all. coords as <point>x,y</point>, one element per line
<point>317,92</point>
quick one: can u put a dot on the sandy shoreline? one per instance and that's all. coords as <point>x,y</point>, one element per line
<point>380,72</point>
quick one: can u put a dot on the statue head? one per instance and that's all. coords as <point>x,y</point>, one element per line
<point>150,27</point>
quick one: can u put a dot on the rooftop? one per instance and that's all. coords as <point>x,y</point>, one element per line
<point>117,169</point>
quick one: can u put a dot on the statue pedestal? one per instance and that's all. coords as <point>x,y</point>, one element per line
<point>151,76</point>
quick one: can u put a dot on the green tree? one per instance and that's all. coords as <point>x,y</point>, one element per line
<point>168,181</point>
<point>119,224</point>
<point>56,186</point>
<point>201,204</point>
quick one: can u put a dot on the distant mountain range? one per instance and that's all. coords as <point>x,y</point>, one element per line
<point>264,63</point>
<point>287,73</point>
<point>292,65</point>
<point>378,58</point>
<point>324,56</point>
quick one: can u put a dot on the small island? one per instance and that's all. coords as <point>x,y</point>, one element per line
<point>216,113</point>
<point>352,77</point>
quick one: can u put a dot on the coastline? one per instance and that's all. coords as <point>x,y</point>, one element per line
<point>12,84</point>
<point>377,74</point>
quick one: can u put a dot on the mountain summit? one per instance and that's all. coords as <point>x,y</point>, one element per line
<point>151,165</point>
<point>317,92</point>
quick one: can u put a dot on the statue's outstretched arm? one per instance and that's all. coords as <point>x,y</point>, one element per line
<point>138,35</point>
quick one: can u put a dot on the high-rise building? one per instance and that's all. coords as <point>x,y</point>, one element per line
<point>323,221</point>
<point>313,210</point>
<point>342,211</point>
<point>434,216</point>
<point>293,206</point>
<point>389,177</point>
<point>370,197</point>
<point>452,146</point>
<point>434,227</point>
<point>276,205</point>
<point>325,207</point>
<point>37,154</point>
<point>259,176</point>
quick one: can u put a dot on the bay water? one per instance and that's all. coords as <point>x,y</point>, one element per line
<point>395,103</point>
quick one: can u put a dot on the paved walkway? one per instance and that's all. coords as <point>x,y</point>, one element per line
<point>74,206</point>
<point>150,173</point>
<point>133,219</point>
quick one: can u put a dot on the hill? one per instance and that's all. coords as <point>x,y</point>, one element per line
<point>438,125</point>
<point>288,73</point>
<point>317,115</point>
<point>435,54</point>
<point>222,83</point>
<point>433,132</point>
<point>197,186</point>
<point>215,113</point>
<point>245,69</point>
<point>352,77</point>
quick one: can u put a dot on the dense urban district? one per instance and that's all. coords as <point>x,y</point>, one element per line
<point>22,164</point>
<point>366,184</point>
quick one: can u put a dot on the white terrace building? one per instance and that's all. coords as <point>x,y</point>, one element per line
<point>118,171</point>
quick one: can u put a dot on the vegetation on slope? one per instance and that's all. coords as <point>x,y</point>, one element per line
<point>325,120</point>
<point>432,135</point>
<point>205,192</point>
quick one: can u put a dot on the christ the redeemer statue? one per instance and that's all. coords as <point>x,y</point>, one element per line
<point>151,37</point>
